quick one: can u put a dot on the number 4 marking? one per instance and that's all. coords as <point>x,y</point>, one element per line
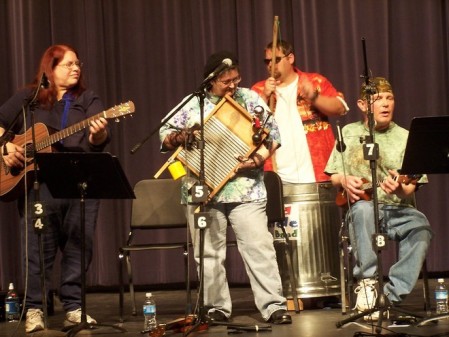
<point>38,224</point>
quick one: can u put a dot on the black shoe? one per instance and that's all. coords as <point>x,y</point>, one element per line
<point>280,317</point>
<point>217,316</point>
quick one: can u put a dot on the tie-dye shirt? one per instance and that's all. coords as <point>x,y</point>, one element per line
<point>391,141</point>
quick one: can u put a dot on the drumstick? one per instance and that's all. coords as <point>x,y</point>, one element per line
<point>273,55</point>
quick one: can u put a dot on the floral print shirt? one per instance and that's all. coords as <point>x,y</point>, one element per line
<point>247,186</point>
<point>317,128</point>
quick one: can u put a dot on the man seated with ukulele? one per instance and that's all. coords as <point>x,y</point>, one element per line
<point>398,218</point>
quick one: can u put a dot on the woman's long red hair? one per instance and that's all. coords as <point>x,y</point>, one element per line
<point>50,59</point>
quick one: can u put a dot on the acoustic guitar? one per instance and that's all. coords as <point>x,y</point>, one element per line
<point>342,198</point>
<point>12,179</point>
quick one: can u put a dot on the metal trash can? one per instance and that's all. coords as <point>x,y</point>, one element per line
<point>312,225</point>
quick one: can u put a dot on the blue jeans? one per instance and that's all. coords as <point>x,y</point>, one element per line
<point>406,225</point>
<point>63,226</point>
<point>255,244</point>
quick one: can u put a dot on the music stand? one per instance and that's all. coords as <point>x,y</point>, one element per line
<point>85,176</point>
<point>427,151</point>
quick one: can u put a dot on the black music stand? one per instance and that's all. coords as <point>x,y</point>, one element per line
<point>427,151</point>
<point>85,176</point>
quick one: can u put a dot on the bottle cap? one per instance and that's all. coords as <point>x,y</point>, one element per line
<point>148,294</point>
<point>11,286</point>
<point>440,280</point>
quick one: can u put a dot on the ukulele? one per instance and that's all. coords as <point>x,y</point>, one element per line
<point>342,199</point>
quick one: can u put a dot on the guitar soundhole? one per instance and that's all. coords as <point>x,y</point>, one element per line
<point>29,150</point>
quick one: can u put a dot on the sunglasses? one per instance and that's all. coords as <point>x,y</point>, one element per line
<point>277,59</point>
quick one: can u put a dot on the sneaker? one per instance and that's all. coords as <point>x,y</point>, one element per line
<point>366,295</point>
<point>74,317</point>
<point>34,320</point>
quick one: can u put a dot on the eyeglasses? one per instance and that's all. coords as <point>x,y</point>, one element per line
<point>277,59</point>
<point>69,65</point>
<point>235,80</point>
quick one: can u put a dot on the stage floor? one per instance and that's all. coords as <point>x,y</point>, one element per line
<point>318,319</point>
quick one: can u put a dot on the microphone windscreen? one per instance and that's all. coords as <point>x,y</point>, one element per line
<point>227,61</point>
<point>218,58</point>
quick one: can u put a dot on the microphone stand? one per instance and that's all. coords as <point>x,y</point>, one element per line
<point>199,196</point>
<point>39,210</point>
<point>202,221</point>
<point>380,239</point>
<point>202,225</point>
<point>202,187</point>
<point>343,235</point>
<point>38,207</point>
<point>137,146</point>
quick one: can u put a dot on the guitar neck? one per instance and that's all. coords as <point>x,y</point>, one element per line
<point>402,179</point>
<point>57,136</point>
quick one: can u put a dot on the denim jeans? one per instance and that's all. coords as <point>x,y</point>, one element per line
<point>255,244</point>
<point>406,225</point>
<point>63,226</point>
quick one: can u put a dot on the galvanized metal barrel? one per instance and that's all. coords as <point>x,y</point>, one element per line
<point>312,225</point>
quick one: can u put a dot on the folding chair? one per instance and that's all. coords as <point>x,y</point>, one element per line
<point>157,206</point>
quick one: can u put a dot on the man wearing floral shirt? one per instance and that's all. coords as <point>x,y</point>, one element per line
<point>302,104</point>
<point>241,201</point>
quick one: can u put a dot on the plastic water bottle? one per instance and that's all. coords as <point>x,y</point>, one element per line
<point>441,297</point>
<point>12,305</point>
<point>149,312</point>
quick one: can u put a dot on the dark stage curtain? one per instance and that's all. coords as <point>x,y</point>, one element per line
<point>153,51</point>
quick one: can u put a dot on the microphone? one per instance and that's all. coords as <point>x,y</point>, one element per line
<point>341,146</point>
<point>45,84</point>
<point>227,62</point>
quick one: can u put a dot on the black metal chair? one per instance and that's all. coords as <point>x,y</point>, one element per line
<point>276,213</point>
<point>157,206</point>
